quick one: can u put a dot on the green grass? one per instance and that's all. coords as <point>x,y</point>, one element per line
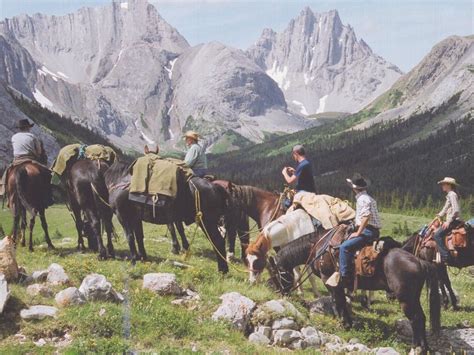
<point>156,324</point>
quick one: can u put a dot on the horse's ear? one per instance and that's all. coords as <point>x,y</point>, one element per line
<point>147,150</point>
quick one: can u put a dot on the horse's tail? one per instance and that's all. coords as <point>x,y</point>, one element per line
<point>431,275</point>
<point>21,181</point>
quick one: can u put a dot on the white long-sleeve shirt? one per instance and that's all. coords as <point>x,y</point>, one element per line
<point>451,207</point>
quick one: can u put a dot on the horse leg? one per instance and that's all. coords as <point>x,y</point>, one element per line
<point>218,244</point>
<point>16,221</point>
<point>32,226</point>
<point>44,224</point>
<point>231,237</point>
<point>297,272</point>
<point>444,295</point>
<point>109,229</point>
<point>23,226</point>
<point>94,224</point>
<point>444,277</point>
<point>412,312</point>
<point>139,236</point>
<point>80,228</point>
<point>180,227</point>
<point>341,306</point>
<point>176,248</point>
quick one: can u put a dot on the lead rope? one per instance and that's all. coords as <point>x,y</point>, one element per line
<point>199,221</point>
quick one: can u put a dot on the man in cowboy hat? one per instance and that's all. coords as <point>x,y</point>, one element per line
<point>367,228</point>
<point>195,156</point>
<point>452,211</point>
<point>26,146</point>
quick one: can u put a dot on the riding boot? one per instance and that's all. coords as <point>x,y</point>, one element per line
<point>347,282</point>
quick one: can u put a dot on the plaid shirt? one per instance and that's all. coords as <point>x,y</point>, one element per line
<point>367,206</point>
<point>451,208</point>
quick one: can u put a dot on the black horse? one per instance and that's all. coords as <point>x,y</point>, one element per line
<point>398,272</point>
<point>197,199</point>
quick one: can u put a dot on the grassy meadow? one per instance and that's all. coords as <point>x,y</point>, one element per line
<point>151,323</point>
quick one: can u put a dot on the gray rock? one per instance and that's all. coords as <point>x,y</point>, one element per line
<point>354,341</point>
<point>403,328</point>
<point>267,331</point>
<point>385,351</point>
<point>40,275</point>
<point>298,344</point>
<point>39,290</point>
<point>284,337</point>
<point>266,313</point>
<point>40,342</point>
<point>95,287</point>
<point>356,347</point>
<point>460,339</point>
<point>69,297</point>
<point>162,283</point>
<point>236,309</point>
<point>313,337</point>
<point>38,312</point>
<point>322,305</point>
<point>57,275</point>
<point>4,292</point>
<point>259,339</point>
<point>8,265</point>
<point>284,323</point>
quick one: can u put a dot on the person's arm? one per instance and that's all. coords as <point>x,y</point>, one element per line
<point>364,207</point>
<point>453,199</point>
<point>191,156</point>
<point>443,212</point>
<point>363,224</point>
<point>289,179</point>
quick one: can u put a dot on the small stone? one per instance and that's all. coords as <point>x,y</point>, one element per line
<point>385,351</point>
<point>20,337</point>
<point>4,292</point>
<point>95,287</point>
<point>284,337</point>
<point>38,312</point>
<point>322,305</point>
<point>403,328</point>
<point>357,347</point>
<point>41,342</point>
<point>276,309</point>
<point>102,312</point>
<point>57,275</point>
<point>267,331</point>
<point>309,331</point>
<point>40,275</point>
<point>333,347</point>
<point>354,341</point>
<point>162,283</point>
<point>299,344</point>
<point>259,339</point>
<point>235,308</point>
<point>69,297</point>
<point>284,323</point>
<point>39,290</point>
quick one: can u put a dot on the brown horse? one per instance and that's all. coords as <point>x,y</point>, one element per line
<point>88,196</point>
<point>397,271</point>
<point>29,190</point>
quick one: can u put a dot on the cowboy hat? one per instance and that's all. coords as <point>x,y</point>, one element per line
<point>357,182</point>
<point>25,123</point>
<point>192,135</point>
<point>448,180</point>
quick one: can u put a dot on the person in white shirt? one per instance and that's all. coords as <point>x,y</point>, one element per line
<point>368,226</point>
<point>451,211</point>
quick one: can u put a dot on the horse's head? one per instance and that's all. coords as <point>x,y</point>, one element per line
<point>256,257</point>
<point>148,150</point>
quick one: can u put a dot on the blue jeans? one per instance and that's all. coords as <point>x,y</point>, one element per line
<point>349,247</point>
<point>440,236</point>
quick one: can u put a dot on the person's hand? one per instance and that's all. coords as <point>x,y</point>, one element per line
<point>445,225</point>
<point>354,235</point>
<point>284,170</point>
<point>290,170</point>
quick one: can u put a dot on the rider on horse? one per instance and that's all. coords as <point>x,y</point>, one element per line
<point>26,146</point>
<point>196,155</point>
<point>367,228</point>
<point>452,212</point>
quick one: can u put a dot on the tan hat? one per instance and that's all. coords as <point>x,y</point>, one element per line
<point>192,134</point>
<point>448,180</point>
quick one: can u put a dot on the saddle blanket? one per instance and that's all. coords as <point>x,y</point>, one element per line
<point>153,175</point>
<point>92,152</point>
<point>331,211</point>
<point>288,227</point>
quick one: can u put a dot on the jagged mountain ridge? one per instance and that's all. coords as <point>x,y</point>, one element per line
<point>321,66</point>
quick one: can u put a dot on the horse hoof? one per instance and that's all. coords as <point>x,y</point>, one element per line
<point>31,249</point>
<point>51,247</point>
<point>175,251</point>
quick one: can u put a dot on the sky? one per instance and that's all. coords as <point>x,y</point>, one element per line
<point>401,31</point>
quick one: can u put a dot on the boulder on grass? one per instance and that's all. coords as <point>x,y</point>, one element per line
<point>39,290</point>
<point>236,309</point>
<point>284,337</point>
<point>95,287</point>
<point>270,311</point>
<point>38,312</point>
<point>258,338</point>
<point>71,296</point>
<point>57,275</point>
<point>4,293</point>
<point>8,264</point>
<point>162,283</point>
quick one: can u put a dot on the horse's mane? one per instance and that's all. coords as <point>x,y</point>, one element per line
<point>243,194</point>
<point>116,172</point>
<point>295,252</point>
<point>260,247</point>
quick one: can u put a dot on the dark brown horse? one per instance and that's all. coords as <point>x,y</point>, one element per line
<point>88,197</point>
<point>398,272</point>
<point>209,198</point>
<point>29,190</point>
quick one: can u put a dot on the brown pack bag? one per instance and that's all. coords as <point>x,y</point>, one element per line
<point>459,238</point>
<point>366,260</point>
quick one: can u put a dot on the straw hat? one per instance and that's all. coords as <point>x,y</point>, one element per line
<point>358,182</point>
<point>448,180</point>
<point>192,135</point>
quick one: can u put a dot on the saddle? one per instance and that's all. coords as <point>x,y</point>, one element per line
<point>367,258</point>
<point>458,238</point>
